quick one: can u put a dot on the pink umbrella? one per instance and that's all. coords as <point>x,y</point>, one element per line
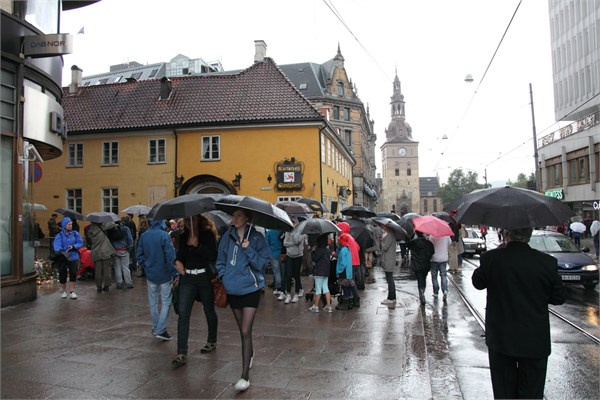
<point>433,226</point>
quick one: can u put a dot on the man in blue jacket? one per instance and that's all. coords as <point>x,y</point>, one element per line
<point>157,255</point>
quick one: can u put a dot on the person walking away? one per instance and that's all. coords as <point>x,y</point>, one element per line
<point>130,223</point>
<point>121,240</point>
<point>354,252</point>
<point>321,256</point>
<point>156,255</point>
<point>577,238</point>
<point>483,231</point>
<point>242,258</point>
<point>143,228</point>
<point>66,245</point>
<point>53,230</point>
<point>344,270</point>
<point>595,231</point>
<point>102,255</point>
<point>195,260</point>
<point>521,282</point>
<point>421,251</point>
<point>388,262</point>
<point>439,264</point>
<point>274,239</point>
<point>462,233</point>
<point>294,251</point>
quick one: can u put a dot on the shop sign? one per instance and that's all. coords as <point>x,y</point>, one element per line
<point>571,129</point>
<point>597,205</point>
<point>50,45</point>
<point>288,175</point>
<point>556,193</point>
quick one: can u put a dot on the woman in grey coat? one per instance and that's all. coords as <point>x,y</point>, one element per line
<point>102,252</point>
<point>388,262</point>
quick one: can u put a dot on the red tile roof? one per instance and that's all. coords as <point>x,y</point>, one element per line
<point>260,93</point>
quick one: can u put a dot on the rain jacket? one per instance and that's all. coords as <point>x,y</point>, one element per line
<point>122,244</point>
<point>294,244</point>
<point>156,254</point>
<point>242,270</point>
<point>321,257</point>
<point>354,247</point>
<point>388,252</point>
<point>344,263</point>
<point>100,245</point>
<point>273,237</point>
<point>421,251</point>
<point>63,240</point>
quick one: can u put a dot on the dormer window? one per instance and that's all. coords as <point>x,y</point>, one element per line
<point>340,89</point>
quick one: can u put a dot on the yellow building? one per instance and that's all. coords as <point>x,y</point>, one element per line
<point>250,133</point>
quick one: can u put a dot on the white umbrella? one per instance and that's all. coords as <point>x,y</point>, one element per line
<point>137,209</point>
<point>578,227</point>
<point>595,228</point>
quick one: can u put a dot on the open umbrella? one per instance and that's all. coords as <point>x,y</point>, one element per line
<point>362,233</point>
<point>264,213</point>
<point>102,217</point>
<point>184,206</point>
<point>578,227</point>
<point>358,211</point>
<point>316,226</point>
<point>295,208</point>
<point>67,212</point>
<point>137,209</point>
<point>511,208</point>
<point>444,216</point>
<point>432,226</point>
<point>221,219</point>
<point>408,226</point>
<point>393,216</point>
<point>35,206</point>
<point>399,231</point>
<point>314,204</point>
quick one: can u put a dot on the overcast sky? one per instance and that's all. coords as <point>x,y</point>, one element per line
<point>432,44</point>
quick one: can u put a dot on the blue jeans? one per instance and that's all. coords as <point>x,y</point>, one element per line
<point>121,267</point>
<point>441,268</point>
<point>276,267</point>
<point>159,321</point>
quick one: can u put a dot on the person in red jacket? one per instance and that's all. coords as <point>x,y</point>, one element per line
<point>354,250</point>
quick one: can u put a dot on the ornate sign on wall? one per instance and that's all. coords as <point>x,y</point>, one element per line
<point>288,175</point>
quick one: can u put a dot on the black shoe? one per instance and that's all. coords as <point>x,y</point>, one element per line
<point>342,307</point>
<point>119,286</point>
<point>129,286</point>
<point>142,275</point>
<point>106,288</point>
<point>164,336</point>
<point>99,290</point>
<point>356,303</point>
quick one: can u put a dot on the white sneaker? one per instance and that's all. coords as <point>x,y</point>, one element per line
<point>328,309</point>
<point>388,301</point>
<point>314,309</point>
<point>301,292</point>
<point>73,296</point>
<point>64,295</point>
<point>281,296</point>
<point>242,385</point>
<point>276,292</point>
<point>295,298</point>
<point>287,300</point>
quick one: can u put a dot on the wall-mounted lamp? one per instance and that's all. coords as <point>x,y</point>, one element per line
<point>269,178</point>
<point>178,181</point>
<point>236,181</point>
<point>344,191</point>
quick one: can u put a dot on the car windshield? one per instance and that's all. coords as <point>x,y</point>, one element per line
<point>472,234</point>
<point>553,244</point>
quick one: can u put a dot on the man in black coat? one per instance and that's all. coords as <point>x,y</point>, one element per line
<point>520,283</point>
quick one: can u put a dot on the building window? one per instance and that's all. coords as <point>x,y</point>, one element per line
<point>156,151</point>
<point>211,148</point>
<point>554,175</point>
<point>75,200</point>
<point>340,89</point>
<point>110,200</point>
<point>435,208</point>
<point>111,153</point>
<point>572,171</point>
<point>75,158</point>
<point>288,198</point>
<point>329,153</point>
<point>8,100</point>
<point>336,112</point>
<point>425,206</point>
<point>346,114</point>
<point>578,170</point>
<point>408,171</point>
<point>397,171</point>
<point>322,148</point>
<point>348,138</point>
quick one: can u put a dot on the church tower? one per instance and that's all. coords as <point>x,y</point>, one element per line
<point>400,160</point>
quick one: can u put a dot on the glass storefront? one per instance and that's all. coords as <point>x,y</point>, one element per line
<point>6,217</point>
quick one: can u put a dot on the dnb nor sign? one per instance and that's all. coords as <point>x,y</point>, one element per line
<point>556,193</point>
<point>48,45</point>
<point>289,175</point>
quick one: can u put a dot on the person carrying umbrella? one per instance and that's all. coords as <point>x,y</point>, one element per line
<point>421,251</point>
<point>102,254</point>
<point>294,251</point>
<point>595,231</point>
<point>388,262</point>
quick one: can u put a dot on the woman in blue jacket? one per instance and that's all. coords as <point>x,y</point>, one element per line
<point>344,270</point>
<point>242,258</point>
<point>66,246</point>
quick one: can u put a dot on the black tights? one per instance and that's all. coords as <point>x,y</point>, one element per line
<point>245,319</point>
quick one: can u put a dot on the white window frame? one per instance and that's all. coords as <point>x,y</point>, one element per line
<point>110,195</point>
<point>154,145</point>
<point>75,156</point>
<point>288,198</point>
<point>211,142</point>
<point>74,197</point>
<point>113,147</point>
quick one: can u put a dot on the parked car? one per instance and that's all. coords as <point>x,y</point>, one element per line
<point>574,266</point>
<point>474,243</point>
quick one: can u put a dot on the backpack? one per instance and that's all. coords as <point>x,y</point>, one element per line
<point>115,234</point>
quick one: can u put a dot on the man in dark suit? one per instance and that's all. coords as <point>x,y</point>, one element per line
<point>520,283</point>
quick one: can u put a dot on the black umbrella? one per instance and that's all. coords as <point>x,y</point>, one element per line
<point>511,208</point>
<point>358,211</point>
<point>316,226</point>
<point>221,219</point>
<point>314,204</point>
<point>295,208</point>
<point>361,232</point>
<point>187,205</point>
<point>444,216</point>
<point>393,216</point>
<point>67,212</point>
<point>101,217</point>
<point>408,226</point>
<point>399,232</point>
<point>264,213</point>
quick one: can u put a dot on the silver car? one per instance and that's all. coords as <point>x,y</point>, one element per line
<point>474,243</point>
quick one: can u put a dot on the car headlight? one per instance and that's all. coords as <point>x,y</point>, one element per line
<point>589,268</point>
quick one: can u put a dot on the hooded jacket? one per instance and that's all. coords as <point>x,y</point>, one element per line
<point>242,270</point>
<point>321,257</point>
<point>354,247</point>
<point>64,239</point>
<point>101,248</point>
<point>344,265</point>
<point>156,254</point>
<point>294,244</point>
<point>388,252</point>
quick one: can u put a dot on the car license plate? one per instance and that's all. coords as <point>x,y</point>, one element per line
<point>469,250</point>
<point>571,277</point>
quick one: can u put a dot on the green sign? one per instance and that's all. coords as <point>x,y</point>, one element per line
<point>556,193</point>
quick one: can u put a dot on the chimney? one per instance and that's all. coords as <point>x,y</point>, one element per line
<point>260,50</point>
<point>165,88</point>
<point>76,73</point>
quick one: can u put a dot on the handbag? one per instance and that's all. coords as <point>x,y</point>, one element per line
<point>220,293</point>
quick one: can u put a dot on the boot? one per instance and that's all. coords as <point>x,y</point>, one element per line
<point>356,302</point>
<point>422,296</point>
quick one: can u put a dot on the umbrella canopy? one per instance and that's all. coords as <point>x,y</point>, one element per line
<point>315,205</point>
<point>578,227</point>
<point>398,230</point>
<point>35,206</point>
<point>184,206</point>
<point>295,208</point>
<point>358,211</point>
<point>595,228</point>
<point>409,216</point>
<point>102,217</point>
<point>408,227</point>
<point>432,226</point>
<point>316,226</point>
<point>393,216</point>
<point>362,233</point>
<point>264,213</point>
<point>221,219</point>
<point>67,212</point>
<point>444,216</point>
<point>137,209</point>
<point>511,208</point>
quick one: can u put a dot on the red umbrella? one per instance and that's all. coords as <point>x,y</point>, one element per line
<point>432,226</point>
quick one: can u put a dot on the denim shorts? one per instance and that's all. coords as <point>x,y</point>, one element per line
<point>321,286</point>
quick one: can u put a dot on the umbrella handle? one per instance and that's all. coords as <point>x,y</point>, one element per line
<point>248,234</point>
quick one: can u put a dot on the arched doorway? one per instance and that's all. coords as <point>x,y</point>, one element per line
<point>207,184</point>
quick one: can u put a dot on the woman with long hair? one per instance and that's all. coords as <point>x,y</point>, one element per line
<point>195,262</point>
<point>242,258</point>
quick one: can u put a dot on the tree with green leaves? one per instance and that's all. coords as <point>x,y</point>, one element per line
<point>523,181</point>
<point>458,184</point>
